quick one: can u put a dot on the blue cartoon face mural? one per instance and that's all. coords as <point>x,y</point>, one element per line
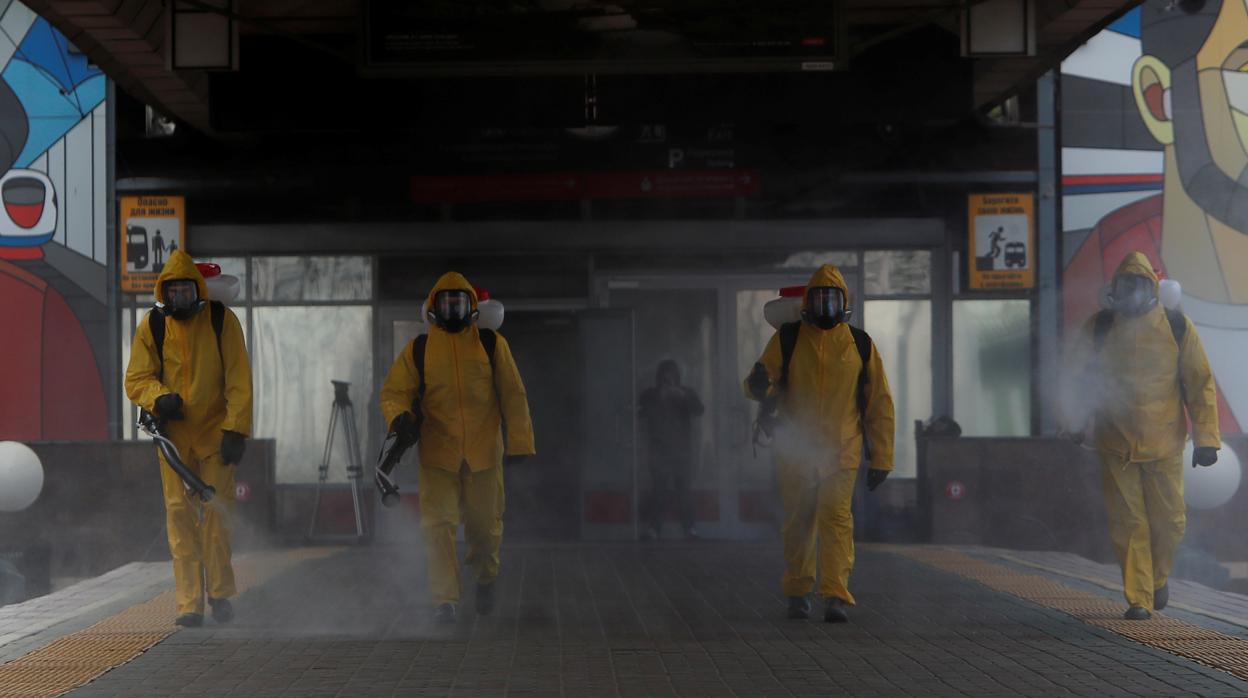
<point>53,242</point>
<point>1155,160</point>
<point>48,88</point>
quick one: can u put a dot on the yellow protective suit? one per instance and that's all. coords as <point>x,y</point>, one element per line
<point>461,441</point>
<point>1131,388</point>
<point>819,445</point>
<point>215,386</point>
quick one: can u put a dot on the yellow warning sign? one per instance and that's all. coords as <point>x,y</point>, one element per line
<point>152,227</point>
<point>1001,241</point>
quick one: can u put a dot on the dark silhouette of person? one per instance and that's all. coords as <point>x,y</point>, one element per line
<point>158,250</point>
<point>995,238</point>
<point>668,410</point>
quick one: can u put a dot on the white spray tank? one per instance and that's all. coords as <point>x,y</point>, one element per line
<point>490,311</point>
<point>1170,293</point>
<point>785,309</point>
<point>221,287</point>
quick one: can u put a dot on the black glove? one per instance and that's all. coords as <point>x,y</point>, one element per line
<point>759,382</point>
<point>875,477</point>
<point>1204,456</point>
<point>406,427</point>
<point>514,460</point>
<point>232,446</point>
<point>169,407</point>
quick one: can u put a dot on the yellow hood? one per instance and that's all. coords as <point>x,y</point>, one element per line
<point>180,266</point>
<point>826,275</point>
<point>1137,264</point>
<point>451,281</point>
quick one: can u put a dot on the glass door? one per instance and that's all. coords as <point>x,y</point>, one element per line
<point>712,325</point>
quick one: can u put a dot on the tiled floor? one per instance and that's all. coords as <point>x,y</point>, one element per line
<point>633,620</point>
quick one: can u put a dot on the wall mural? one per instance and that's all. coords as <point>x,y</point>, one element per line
<point>1155,159</point>
<point>53,234</point>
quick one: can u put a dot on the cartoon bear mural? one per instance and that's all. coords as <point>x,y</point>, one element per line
<point>53,249</point>
<point>1155,159</point>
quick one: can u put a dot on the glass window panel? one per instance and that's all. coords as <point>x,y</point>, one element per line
<point>753,332</point>
<point>234,266</point>
<point>813,259</point>
<point>311,278</point>
<point>404,332</point>
<point>297,351</point>
<point>242,314</point>
<point>992,367</point>
<point>902,332</point>
<point>892,272</point>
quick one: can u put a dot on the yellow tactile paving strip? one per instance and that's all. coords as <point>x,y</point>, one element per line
<point>1208,647</point>
<point>78,658</point>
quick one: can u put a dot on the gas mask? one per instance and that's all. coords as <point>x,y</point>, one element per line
<point>452,310</point>
<point>1131,295</point>
<point>180,299</point>
<point>825,307</point>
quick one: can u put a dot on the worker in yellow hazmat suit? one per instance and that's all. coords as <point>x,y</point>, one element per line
<point>459,403</point>
<point>830,393</point>
<point>1135,367</point>
<point>188,366</point>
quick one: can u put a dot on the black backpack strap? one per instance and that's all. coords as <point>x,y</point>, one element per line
<point>862,341</point>
<point>1100,329</point>
<point>418,358</point>
<point>156,323</point>
<point>788,343</point>
<point>1178,325</point>
<point>489,340</point>
<point>217,310</point>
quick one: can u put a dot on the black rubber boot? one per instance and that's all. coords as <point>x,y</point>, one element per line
<point>1137,613</point>
<point>189,620</point>
<point>1161,597</point>
<point>222,610</point>
<point>444,614</point>
<point>799,607</point>
<point>835,611</point>
<point>485,598</point>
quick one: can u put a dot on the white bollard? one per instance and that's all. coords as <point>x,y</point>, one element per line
<point>1211,487</point>
<point>21,476</point>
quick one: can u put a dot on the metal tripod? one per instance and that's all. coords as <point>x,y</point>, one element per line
<point>342,412</point>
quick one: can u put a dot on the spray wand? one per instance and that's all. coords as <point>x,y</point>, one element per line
<point>154,428</point>
<point>392,449</point>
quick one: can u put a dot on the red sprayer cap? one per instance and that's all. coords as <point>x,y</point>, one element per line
<point>793,292</point>
<point>208,269</point>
